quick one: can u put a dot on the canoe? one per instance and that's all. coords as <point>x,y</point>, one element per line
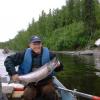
<point>63,92</point>
<point>67,94</point>
<point>64,95</point>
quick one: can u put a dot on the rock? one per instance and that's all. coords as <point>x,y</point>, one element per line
<point>97,42</point>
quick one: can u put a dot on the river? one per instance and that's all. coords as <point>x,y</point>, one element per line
<point>2,68</point>
<point>80,72</point>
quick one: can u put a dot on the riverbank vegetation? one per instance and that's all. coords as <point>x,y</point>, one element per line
<point>75,26</point>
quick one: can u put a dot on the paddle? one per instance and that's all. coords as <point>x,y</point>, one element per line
<point>95,98</point>
<point>91,97</point>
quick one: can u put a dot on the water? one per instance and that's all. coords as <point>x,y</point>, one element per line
<point>2,68</point>
<point>80,72</point>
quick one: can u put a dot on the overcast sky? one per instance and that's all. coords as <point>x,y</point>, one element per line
<point>16,15</point>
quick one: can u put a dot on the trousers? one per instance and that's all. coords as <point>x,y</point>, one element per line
<point>41,92</point>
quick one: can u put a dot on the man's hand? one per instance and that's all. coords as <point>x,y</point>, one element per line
<point>58,64</point>
<point>15,77</point>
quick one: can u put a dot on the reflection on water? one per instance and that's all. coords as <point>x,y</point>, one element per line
<point>80,72</point>
<point>97,63</point>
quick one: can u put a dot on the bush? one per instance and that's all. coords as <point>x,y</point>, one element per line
<point>68,37</point>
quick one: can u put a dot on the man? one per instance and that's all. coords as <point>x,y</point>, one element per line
<point>45,87</point>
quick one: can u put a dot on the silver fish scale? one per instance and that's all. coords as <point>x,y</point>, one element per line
<point>40,73</point>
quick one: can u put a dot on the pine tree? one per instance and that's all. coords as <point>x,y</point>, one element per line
<point>70,5</point>
<point>89,17</point>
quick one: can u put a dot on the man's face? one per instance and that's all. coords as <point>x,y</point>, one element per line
<point>36,47</point>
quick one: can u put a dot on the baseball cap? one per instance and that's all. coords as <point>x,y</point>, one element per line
<point>35,39</point>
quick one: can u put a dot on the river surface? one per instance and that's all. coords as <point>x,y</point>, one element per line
<point>80,72</point>
<point>2,68</point>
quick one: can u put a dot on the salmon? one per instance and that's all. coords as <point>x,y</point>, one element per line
<point>41,72</point>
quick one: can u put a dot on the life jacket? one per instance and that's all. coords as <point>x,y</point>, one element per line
<point>26,65</point>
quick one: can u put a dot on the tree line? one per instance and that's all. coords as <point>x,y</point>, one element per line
<point>76,25</point>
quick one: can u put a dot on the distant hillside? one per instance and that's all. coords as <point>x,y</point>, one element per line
<point>75,26</point>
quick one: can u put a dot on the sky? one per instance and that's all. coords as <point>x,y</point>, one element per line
<point>15,15</point>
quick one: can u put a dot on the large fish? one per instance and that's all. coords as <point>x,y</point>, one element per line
<point>41,72</point>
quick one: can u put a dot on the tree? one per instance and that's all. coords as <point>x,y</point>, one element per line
<point>70,5</point>
<point>42,23</point>
<point>77,10</point>
<point>89,16</point>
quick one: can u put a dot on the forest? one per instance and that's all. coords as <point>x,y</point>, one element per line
<point>75,26</point>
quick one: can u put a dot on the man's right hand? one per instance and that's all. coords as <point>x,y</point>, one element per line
<point>15,77</point>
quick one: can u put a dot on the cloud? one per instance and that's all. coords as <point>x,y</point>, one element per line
<point>16,15</point>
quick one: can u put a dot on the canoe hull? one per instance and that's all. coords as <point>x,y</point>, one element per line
<point>65,95</point>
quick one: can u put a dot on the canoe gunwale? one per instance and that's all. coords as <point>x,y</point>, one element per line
<point>65,95</point>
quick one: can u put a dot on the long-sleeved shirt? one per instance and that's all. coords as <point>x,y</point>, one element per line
<point>16,59</point>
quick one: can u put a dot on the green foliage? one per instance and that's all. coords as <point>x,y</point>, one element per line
<point>97,7</point>
<point>75,25</point>
<point>89,16</point>
<point>68,37</point>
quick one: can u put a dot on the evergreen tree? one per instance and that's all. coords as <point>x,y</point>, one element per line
<point>77,10</point>
<point>42,23</point>
<point>89,16</point>
<point>70,5</point>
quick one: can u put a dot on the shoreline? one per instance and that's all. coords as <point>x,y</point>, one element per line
<point>80,52</point>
